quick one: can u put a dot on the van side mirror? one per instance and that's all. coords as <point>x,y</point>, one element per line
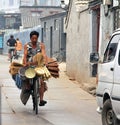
<point>94,57</point>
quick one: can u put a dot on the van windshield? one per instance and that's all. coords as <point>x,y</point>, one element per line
<point>111,49</point>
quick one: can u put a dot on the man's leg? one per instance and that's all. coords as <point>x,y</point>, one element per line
<point>42,89</point>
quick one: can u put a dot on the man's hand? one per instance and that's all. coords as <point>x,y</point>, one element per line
<point>31,64</point>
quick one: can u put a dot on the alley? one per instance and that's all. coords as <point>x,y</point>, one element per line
<point>67,103</point>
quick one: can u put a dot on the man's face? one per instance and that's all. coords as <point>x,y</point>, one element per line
<point>34,39</point>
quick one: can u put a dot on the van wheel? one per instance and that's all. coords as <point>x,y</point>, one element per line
<point>116,121</point>
<point>107,113</point>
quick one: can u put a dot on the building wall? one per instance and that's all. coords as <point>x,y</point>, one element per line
<point>78,42</point>
<point>31,15</point>
<point>106,29</point>
<point>57,31</point>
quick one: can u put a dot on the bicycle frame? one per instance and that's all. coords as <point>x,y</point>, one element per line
<point>11,54</point>
<point>35,83</point>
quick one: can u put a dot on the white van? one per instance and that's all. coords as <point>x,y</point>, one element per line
<point>108,90</point>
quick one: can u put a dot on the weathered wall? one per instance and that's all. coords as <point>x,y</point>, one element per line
<point>55,44</point>
<point>78,31</point>
<point>106,29</point>
<point>30,15</point>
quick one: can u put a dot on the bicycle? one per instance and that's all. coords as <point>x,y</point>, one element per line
<point>12,51</point>
<point>17,54</point>
<point>59,56</point>
<point>35,82</point>
<point>34,76</point>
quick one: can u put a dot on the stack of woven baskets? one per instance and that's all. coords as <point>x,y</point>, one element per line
<point>14,68</point>
<point>53,67</point>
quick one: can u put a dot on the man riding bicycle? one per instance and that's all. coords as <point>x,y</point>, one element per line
<point>31,50</point>
<point>11,43</point>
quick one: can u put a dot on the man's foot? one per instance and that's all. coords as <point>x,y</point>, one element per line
<point>42,103</point>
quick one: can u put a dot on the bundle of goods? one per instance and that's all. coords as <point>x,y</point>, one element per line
<point>14,68</point>
<point>53,67</point>
<point>43,71</point>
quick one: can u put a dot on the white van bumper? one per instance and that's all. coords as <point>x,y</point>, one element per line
<point>99,110</point>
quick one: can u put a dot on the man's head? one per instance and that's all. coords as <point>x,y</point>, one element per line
<point>11,36</point>
<point>34,37</point>
<point>17,39</point>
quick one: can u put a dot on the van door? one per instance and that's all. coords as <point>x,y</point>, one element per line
<point>116,86</point>
<point>106,69</point>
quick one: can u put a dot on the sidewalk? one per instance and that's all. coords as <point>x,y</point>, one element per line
<point>88,87</point>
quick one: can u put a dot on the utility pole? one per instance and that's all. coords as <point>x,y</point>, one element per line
<point>20,3</point>
<point>35,3</point>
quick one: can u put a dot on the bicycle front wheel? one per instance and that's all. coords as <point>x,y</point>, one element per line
<point>36,95</point>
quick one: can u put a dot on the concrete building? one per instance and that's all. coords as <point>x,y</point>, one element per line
<point>89,26</point>
<point>78,41</point>
<point>31,14</point>
<point>49,2</point>
<point>104,17</point>
<point>52,33</point>
<point>9,22</point>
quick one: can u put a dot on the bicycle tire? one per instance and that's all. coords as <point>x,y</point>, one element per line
<point>11,57</point>
<point>36,95</point>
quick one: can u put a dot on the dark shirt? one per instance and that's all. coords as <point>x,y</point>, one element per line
<point>11,42</point>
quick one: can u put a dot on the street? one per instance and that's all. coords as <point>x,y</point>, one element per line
<point>67,103</point>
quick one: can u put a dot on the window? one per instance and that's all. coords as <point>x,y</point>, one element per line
<point>45,28</point>
<point>111,49</point>
<point>10,22</point>
<point>119,58</point>
<point>56,24</point>
<point>36,13</point>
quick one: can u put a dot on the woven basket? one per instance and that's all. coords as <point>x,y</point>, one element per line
<point>14,68</point>
<point>30,73</point>
<point>53,67</point>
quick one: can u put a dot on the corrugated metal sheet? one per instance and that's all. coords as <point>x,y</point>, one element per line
<point>23,36</point>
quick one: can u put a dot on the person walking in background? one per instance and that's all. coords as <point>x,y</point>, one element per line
<point>11,43</point>
<point>18,48</point>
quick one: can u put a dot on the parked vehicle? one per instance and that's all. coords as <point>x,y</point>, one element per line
<point>108,90</point>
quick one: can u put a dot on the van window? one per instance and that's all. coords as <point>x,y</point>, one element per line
<point>111,49</point>
<point>119,58</point>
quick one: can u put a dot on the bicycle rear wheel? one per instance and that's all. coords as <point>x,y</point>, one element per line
<point>11,57</point>
<point>36,95</point>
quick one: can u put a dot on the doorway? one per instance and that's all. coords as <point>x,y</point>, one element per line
<point>51,41</point>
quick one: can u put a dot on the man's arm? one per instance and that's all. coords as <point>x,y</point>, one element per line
<point>7,43</point>
<point>25,55</point>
